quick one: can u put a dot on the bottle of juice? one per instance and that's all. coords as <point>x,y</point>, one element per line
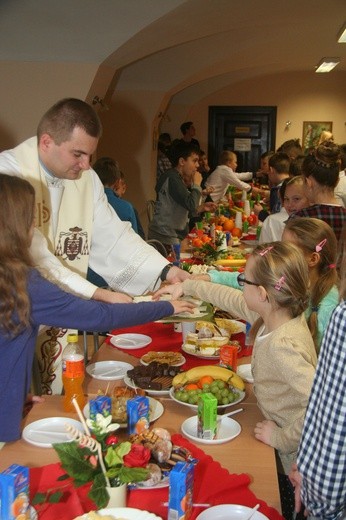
<point>73,373</point>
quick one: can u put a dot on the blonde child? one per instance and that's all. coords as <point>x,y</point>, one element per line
<point>318,243</point>
<point>28,300</point>
<point>274,299</point>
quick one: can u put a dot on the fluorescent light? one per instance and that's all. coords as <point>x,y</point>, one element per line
<point>342,37</point>
<point>327,64</point>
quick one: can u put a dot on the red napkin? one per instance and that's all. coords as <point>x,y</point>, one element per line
<point>212,484</point>
<point>165,338</point>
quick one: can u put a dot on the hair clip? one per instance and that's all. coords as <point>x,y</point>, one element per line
<point>321,245</point>
<point>279,283</point>
<point>265,251</point>
<point>332,266</point>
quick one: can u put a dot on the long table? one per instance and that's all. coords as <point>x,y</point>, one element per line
<point>244,454</point>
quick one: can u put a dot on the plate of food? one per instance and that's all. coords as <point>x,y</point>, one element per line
<point>227,430</point>
<point>207,354</point>
<point>225,384</point>
<point>204,347</point>
<point>154,378</point>
<point>233,396</point>
<point>45,432</point>
<point>130,341</point>
<point>230,326</point>
<point>158,393</point>
<point>119,414</point>
<point>175,359</point>
<point>230,511</point>
<point>119,513</point>
<point>108,370</point>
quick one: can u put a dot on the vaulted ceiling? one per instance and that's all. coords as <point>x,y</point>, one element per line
<point>188,48</point>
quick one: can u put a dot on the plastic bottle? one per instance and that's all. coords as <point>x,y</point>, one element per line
<point>72,373</point>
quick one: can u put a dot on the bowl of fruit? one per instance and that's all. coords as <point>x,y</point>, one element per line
<point>227,386</point>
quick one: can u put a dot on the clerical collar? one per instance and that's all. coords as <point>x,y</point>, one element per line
<point>50,177</point>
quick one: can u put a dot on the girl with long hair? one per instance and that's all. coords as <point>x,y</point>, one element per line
<point>28,300</point>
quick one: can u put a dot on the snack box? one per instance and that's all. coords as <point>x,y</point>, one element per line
<point>207,417</point>
<point>137,414</point>
<point>14,493</point>
<point>101,404</point>
<point>181,491</point>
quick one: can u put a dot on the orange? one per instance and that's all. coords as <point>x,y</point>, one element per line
<point>218,228</point>
<point>236,232</point>
<point>228,225</point>
<point>197,242</point>
<point>205,239</point>
<point>191,386</point>
<point>205,380</point>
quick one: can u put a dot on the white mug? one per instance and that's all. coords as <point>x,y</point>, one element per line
<point>187,327</point>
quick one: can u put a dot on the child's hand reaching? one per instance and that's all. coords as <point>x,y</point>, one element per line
<point>176,290</point>
<point>263,431</point>
<point>182,306</point>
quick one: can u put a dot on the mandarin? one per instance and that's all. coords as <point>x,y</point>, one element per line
<point>197,242</point>
<point>228,225</point>
<point>205,380</point>
<point>236,232</point>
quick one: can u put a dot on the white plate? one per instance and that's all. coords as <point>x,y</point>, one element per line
<point>229,512</point>
<point>199,354</point>
<point>184,256</point>
<point>108,370</point>
<point>228,430</point>
<point>244,371</point>
<point>155,411</point>
<point>45,432</point>
<point>128,513</point>
<point>130,341</point>
<point>178,364</point>
<point>241,397</point>
<point>149,391</point>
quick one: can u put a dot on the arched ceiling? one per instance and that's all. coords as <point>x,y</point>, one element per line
<point>188,48</point>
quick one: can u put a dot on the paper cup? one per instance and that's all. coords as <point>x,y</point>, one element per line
<point>187,327</point>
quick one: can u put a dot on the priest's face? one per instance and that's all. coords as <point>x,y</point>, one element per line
<point>68,159</point>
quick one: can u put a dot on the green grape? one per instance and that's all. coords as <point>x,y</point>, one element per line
<point>193,399</point>
<point>221,384</point>
<point>184,397</point>
<point>177,395</point>
<point>225,400</point>
<point>206,387</point>
<point>224,392</point>
<point>231,397</point>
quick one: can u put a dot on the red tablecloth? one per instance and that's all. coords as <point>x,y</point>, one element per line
<point>165,338</point>
<point>212,484</point>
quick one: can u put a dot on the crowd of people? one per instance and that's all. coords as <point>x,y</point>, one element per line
<point>73,253</point>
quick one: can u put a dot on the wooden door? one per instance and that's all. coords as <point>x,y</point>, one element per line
<point>249,131</point>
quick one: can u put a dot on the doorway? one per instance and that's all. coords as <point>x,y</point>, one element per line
<point>249,131</point>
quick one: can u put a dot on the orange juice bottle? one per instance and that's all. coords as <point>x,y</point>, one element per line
<point>72,373</point>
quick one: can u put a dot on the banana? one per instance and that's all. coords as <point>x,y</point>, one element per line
<point>231,262</point>
<point>194,374</point>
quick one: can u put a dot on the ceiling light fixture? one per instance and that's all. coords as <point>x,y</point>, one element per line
<point>327,64</point>
<point>342,37</point>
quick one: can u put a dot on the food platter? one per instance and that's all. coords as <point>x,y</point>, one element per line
<point>156,409</point>
<point>149,391</point>
<point>194,406</point>
<point>200,354</point>
<point>228,429</point>
<point>164,357</point>
<point>162,484</point>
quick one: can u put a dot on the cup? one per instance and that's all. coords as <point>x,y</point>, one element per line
<point>187,327</point>
<point>177,326</point>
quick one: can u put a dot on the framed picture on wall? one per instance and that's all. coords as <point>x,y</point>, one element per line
<point>312,131</point>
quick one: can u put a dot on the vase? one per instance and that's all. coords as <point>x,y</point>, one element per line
<point>117,496</point>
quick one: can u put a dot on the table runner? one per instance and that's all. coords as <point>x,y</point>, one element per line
<point>165,338</point>
<point>212,484</point>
